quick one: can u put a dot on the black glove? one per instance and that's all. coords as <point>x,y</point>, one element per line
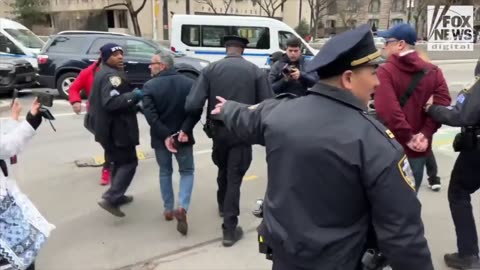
<point>34,120</point>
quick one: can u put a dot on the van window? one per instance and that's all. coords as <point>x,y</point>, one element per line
<point>7,46</point>
<point>258,37</point>
<point>282,42</point>
<point>25,37</point>
<point>63,44</point>
<point>212,36</point>
<point>191,35</point>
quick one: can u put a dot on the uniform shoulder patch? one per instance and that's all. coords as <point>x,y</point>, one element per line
<point>389,133</point>
<point>285,95</point>
<point>115,81</point>
<point>406,172</point>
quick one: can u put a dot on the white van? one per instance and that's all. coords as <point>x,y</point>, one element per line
<point>18,41</point>
<point>201,36</point>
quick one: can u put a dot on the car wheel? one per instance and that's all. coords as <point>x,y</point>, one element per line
<point>64,82</point>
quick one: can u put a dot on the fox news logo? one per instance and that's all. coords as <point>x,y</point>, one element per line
<point>450,28</point>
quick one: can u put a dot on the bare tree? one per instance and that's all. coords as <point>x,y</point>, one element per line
<point>209,3</point>
<point>317,6</point>
<point>133,13</point>
<point>270,6</point>
<point>349,13</point>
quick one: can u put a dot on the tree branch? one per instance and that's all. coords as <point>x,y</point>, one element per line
<point>140,8</point>
<point>209,3</point>
<point>115,5</point>
<point>227,4</point>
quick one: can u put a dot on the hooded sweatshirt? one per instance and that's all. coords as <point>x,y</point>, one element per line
<point>395,77</point>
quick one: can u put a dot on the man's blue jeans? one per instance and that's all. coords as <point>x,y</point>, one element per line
<point>417,165</point>
<point>184,158</point>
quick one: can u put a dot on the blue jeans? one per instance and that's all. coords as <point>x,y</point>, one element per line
<point>417,165</point>
<point>184,158</point>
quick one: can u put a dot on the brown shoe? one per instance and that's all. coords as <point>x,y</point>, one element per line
<point>168,215</point>
<point>182,225</point>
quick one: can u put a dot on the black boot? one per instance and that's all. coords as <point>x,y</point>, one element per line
<point>112,209</point>
<point>230,237</point>
<point>456,261</point>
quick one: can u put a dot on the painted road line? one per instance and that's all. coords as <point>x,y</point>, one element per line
<point>250,178</point>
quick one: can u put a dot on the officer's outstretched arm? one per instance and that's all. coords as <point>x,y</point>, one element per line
<point>246,121</point>
<point>112,100</point>
<point>395,211</point>
<point>466,111</point>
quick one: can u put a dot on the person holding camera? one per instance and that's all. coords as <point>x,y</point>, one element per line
<point>112,118</point>
<point>171,131</point>
<point>288,74</point>
<point>464,179</point>
<point>24,229</point>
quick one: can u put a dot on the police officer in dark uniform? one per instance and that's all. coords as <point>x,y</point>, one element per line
<point>465,177</point>
<point>112,118</point>
<point>240,80</point>
<point>333,170</point>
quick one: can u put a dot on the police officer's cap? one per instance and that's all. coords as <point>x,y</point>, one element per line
<point>235,41</point>
<point>346,51</point>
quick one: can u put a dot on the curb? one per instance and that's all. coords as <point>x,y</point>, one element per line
<point>97,161</point>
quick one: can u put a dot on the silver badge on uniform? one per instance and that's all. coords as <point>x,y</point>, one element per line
<point>114,92</point>
<point>115,81</point>
<point>406,172</point>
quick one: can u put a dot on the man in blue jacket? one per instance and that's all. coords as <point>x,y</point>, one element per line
<point>288,74</point>
<point>171,132</point>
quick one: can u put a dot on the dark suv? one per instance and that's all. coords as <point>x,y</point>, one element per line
<point>67,53</point>
<point>16,73</point>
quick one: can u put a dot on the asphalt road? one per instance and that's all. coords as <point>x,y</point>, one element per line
<point>87,237</point>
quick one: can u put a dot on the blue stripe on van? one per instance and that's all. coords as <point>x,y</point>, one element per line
<point>16,55</point>
<point>224,53</point>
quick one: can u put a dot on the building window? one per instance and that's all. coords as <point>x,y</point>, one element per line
<point>122,19</point>
<point>352,5</point>
<point>373,23</point>
<point>191,35</point>
<point>398,5</point>
<point>110,19</point>
<point>397,21</point>
<point>374,6</point>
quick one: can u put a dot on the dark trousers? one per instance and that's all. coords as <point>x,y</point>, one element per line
<point>106,164</point>
<point>233,161</point>
<point>431,164</point>
<point>124,163</point>
<point>465,180</point>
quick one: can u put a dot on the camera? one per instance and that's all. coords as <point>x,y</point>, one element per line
<point>289,69</point>
<point>45,99</point>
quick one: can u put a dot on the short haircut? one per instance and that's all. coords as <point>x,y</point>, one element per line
<point>165,58</point>
<point>294,42</point>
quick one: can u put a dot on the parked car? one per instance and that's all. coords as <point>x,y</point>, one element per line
<point>67,53</point>
<point>15,73</point>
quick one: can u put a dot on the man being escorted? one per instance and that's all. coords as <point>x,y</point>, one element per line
<point>288,74</point>
<point>164,107</point>
<point>406,83</point>
<point>237,79</point>
<point>113,118</point>
<point>333,170</point>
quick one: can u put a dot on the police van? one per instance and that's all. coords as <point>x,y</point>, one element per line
<point>201,36</point>
<point>16,40</point>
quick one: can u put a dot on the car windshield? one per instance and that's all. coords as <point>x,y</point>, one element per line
<point>26,37</point>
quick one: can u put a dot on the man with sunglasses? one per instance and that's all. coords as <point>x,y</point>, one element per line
<point>406,83</point>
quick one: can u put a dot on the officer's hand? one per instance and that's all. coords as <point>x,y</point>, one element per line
<point>182,137</point>
<point>295,75</point>
<point>77,107</point>
<point>219,106</point>
<point>169,145</point>
<point>16,109</point>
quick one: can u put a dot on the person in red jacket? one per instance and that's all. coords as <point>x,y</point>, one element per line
<point>412,128</point>
<point>84,81</point>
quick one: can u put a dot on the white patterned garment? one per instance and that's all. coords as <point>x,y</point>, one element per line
<point>23,230</point>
